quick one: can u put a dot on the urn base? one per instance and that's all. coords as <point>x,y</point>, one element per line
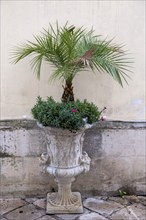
<point>76,207</point>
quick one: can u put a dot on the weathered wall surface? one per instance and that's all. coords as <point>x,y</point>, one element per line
<point>117,151</point>
<point>124,20</point>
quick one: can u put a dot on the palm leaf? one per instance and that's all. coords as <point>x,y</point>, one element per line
<point>71,50</point>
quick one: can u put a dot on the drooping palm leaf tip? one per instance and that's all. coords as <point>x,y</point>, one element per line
<point>71,50</point>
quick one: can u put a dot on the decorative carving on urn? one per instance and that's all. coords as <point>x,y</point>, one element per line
<point>66,161</point>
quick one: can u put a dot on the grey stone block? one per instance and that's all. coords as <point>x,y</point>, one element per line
<point>47,217</point>
<point>71,216</point>
<point>91,216</point>
<point>7,205</point>
<point>26,212</point>
<point>133,212</point>
<point>105,208</point>
<point>40,203</point>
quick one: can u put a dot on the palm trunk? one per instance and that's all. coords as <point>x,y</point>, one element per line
<point>68,95</point>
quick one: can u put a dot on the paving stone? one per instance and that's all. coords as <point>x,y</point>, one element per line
<point>68,216</point>
<point>31,200</point>
<point>122,201</point>
<point>91,216</point>
<point>142,199</point>
<point>123,214</point>
<point>71,216</point>
<point>46,217</point>
<point>102,207</point>
<point>27,212</point>
<point>128,200</point>
<point>132,199</point>
<point>138,210</point>
<point>41,203</point>
<point>7,205</point>
<point>133,212</point>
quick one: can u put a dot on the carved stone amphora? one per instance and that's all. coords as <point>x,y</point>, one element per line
<point>66,161</point>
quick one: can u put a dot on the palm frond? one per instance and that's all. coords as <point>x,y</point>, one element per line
<point>71,50</point>
<point>21,52</point>
<point>36,64</point>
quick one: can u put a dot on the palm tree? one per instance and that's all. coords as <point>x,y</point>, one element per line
<point>71,50</point>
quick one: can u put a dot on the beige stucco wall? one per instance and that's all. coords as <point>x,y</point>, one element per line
<point>123,20</point>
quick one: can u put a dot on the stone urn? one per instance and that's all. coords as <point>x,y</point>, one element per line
<point>64,160</point>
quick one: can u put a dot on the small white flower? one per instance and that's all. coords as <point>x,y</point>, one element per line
<point>85,120</point>
<point>39,125</point>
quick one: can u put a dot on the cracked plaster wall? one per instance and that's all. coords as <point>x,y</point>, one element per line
<point>117,151</point>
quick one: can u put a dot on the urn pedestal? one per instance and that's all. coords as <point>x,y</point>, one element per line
<point>66,161</point>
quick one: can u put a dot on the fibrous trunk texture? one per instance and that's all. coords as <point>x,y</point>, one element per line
<point>68,95</point>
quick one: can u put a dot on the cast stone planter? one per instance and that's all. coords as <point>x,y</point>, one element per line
<point>66,161</point>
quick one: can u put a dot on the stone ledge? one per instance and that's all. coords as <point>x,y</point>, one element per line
<point>31,123</point>
<point>17,124</point>
<point>120,125</point>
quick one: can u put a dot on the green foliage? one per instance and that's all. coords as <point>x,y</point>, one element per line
<point>68,115</point>
<point>70,50</point>
<point>122,193</point>
<point>88,110</point>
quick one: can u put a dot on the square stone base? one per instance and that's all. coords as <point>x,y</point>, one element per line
<point>72,209</point>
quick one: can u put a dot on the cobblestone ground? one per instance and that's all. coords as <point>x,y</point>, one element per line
<point>95,208</point>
